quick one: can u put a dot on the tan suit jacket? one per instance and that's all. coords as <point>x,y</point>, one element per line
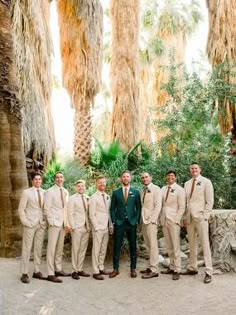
<point>151,207</point>
<point>77,215</point>
<point>200,205</point>
<point>174,207</point>
<point>29,211</point>
<point>99,212</point>
<point>55,213</point>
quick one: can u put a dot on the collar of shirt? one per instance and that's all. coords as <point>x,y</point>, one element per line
<point>101,192</point>
<point>197,178</point>
<point>58,187</point>
<point>125,187</point>
<point>171,186</point>
<point>36,189</point>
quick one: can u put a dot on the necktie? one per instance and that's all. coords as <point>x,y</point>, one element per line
<point>167,193</point>
<point>192,188</point>
<point>144,193</point>
<point>103,196</point>
<point>62,198</point>
<point>39,198</point>
<point>85,210</point>
<point>126,195</point>
<point>84,204</point>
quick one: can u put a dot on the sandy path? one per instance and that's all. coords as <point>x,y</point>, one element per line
<point>115,296</point>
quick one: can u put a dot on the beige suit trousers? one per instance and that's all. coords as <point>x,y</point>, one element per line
<point>100,241</point>
<point>200,229</point>
<point>150,239</point>
<point>32,235</point>
<point>171,233</point>
<point>56,236</point>
<point>80,239</point>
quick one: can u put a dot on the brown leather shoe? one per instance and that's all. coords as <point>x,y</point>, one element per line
<point>39,275</point>
<point>98,276</point>
<point>146,270</point>
<point>25,278</point>
<point>62,274</point>
<point>189,272</point>
<point>105,272</point>
<point>75,275</point>
<point>176,276</point>
<point>114,273</point>
<point>150,275</point>
<point>133,273</point>
<point>167,272</point>
<point>83,274</point>
<point>54,279</point>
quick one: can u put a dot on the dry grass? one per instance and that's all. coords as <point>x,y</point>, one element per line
<point>32,45</point>
<point>221,48</point>
<point>81,48</point>
<point>125,72</point>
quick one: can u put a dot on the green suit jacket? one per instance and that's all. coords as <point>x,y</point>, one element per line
<point>120,210</point>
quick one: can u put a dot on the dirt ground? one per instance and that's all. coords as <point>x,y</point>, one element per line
<point>115,296</point>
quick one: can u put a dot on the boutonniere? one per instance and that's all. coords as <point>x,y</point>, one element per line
<point>198,184</point>
<point>107,197</point>
<point>172,190</point>
<point>87,198</point>
<point>148,191</point>
<point>131,193</point>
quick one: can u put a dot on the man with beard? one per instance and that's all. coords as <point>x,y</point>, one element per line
<point>125,215</point>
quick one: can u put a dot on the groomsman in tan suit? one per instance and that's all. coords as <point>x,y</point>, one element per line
<point>200,200</point>
<point>34,225</point>
<point>99,206</point>
<point>55,204</point>
<point>151,207</point>
<point>173,208</point>
<point>80,228</point>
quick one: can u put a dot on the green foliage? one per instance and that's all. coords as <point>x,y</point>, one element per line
<point>53,167</point>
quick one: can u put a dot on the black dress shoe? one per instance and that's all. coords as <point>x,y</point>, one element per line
<point>189,272</point>
<point>83,274</point>
<point>98,276</point>
<point>114,273</point>
<point>62,274</point>
<point>176,276</point>
<point>167,272</point>
<point>25,278</point>
<point>150,275</point>
<point>207,278</point>
<point>146,270</point>
<point>54,279</point>
<point>39,275</point>
<point>75,275</point>
<point>105,272</point>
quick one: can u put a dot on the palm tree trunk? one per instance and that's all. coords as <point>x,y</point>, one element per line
<point>125,72</point>
<point>12,171</point>
<point>81,48</point>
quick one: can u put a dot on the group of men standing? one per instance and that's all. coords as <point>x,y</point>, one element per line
<point>126,211</point>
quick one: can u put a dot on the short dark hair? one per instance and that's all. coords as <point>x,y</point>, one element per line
<point>171,172</point>
<point>33,175</point>
<point>125,171</point>
<point>59,172</point>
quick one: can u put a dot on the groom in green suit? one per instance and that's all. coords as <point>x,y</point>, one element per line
<point>125,215</point>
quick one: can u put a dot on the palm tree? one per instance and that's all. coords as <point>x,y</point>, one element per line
<point>12,171</point>
<point>81,48</point>
<point>33,49</point>
<point>221,50</point>
<point>173,21</point>
<point>125,72</point>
